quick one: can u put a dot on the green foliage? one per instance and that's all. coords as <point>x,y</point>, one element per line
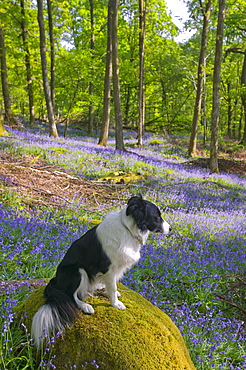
<point>170,67</point>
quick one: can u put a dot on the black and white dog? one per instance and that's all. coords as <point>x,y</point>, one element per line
<point>98,259</point>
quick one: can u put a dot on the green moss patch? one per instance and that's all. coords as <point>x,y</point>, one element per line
<point>141,338</point>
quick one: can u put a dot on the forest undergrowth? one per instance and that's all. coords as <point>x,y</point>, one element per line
<point>53,190</point>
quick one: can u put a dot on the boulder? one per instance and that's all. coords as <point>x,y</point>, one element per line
<point>141,338</point>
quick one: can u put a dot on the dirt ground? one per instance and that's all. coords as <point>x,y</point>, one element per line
<point>40,183</point>
<point>225,165</point>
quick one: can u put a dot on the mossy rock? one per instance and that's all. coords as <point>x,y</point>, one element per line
<point>141,338</point>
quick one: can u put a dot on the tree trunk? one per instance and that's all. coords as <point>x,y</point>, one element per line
<point>49,105</point>
<point>107,82</point>
<point>229,111</point>
<point>127,105</point>
<point>52,54</point>
<point>204,109</point>
<point>243,87</point>
<point>200,77</point>
<point>27,63</point>
<point>243,84</point>
<point>91,85</point>
<point>116,79</point>
<point>214,168</point>
<point>142,18</point>
<point>8,117</point>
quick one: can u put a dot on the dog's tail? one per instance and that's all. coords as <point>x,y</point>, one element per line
<point>58,311</point>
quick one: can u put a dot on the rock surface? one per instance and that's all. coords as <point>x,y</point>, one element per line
<point>141,338</point>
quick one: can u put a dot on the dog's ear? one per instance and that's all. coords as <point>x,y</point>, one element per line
<point>136,207</point>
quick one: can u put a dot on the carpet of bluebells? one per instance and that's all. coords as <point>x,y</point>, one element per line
<point>184,274</point>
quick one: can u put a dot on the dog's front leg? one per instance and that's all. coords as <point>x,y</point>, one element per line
<point>111,288</point>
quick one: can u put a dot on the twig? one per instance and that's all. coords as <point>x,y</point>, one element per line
<point>223,299</point>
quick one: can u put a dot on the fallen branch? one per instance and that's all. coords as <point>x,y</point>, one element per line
<point>223,299</point>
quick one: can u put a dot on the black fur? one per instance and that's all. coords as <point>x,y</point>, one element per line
<point>87,261</point>
<point>86,253</point>
<point>146,214</point>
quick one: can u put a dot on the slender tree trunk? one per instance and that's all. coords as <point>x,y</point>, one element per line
<point>52,54</point>
<point>8,116</point>
<point>91,85</point>
<point>243,84</point>
<point>200,77</point>
<point>142,18</point>
<point>116,79</point>
<point>216,89</point>
<point>229,111</point>
<point>107,83</point>
<point>27,63</point>
<point>127,105</point>
<point>49,105</point>
<point>204,109</point>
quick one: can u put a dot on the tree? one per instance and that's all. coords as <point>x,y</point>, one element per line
<point>200,78</point>
<point>49,105</point>
<point>8,116</point>
<point>52,54</point>
<point>27,63</point>
<point>243,87</point>
<point>243,83</point>
<point>107,82</point>
<point>116,80</point>
<point>91,85</point>
<point>142,16</point>
<point>216,89</point>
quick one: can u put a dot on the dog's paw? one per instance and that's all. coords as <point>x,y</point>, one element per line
<point>86,308</point>
<point>119,305</point>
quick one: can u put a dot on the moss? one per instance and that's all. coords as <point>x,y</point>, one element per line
<point>141,338</point>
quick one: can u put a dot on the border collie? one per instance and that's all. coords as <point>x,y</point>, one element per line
<point>97,260</point>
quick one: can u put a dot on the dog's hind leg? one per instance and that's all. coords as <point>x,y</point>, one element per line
<point>82,292</point>
<point>111,289</point>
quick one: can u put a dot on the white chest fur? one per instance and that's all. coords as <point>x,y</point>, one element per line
<point>121,239</point>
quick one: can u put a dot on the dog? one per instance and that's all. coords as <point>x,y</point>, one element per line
<point>98,259</point>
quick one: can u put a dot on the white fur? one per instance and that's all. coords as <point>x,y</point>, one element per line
<point>166,228</point>
<point>45,317</point>
<point>121,241</point>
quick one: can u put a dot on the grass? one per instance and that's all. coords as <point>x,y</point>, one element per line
<point>194,275</point>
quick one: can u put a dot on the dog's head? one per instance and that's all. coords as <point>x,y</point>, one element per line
<point>147,215</point>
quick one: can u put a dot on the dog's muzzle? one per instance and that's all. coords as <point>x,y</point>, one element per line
<point>166,228</point>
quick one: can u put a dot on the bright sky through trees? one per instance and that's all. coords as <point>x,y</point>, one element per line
<point>179,13</point>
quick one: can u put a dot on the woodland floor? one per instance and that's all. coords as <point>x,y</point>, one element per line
<point>225,165</point>
<point>38,182</point>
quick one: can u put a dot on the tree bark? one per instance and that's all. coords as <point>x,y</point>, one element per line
<point>243,87</point>
<point>91,85</point>
<point>200,77</point>
<point>49,105</point>
<point>214,168</point>
<point>243,84</point>
<point>107,83</point>
<point>8,116</point>
<point>27,63</point>
<point>229,111</point>
<point>116,79</point>
<point>142,18</point>
<point>52,54</point>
